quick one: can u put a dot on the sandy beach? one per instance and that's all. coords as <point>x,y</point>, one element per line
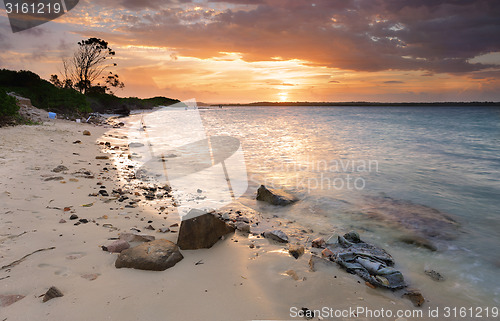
<point>242,277</point>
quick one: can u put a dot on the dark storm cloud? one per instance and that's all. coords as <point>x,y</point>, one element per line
<point>361,35</point>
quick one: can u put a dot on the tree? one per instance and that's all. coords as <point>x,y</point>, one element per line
<point>87,65</point>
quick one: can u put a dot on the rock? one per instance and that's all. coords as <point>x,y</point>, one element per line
<point>8,299</point>
<point>418,241</point>
<point>243,227</point>
<point>83,220</point>
<point>62,221</point>
<point>86,133</point>
<point>149,227</point>
<point>102,157</point>
<point>117,246</point>
<point>199,230</point>
<point>54,178</point>
<point>53,292</point>
<point>296,250</point>
<point>156,255</point>
<point>371,263</point>
<point>199,191</point>
<point>275,197</point>
<point>164,230</point>
<point>73,217</point>
<point>319,242</point>
<point>436,276</point>
<point>415,297</point>
<point>135,145</point>
<point>293,274</point>
<point>131,237</point>
<point>276,235</point>
<point>90,276</point>
<point>103,192</point>
<point>60,168</point>
<point>326,253</point>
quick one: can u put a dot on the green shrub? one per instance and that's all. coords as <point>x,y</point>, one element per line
<point>8,104</point>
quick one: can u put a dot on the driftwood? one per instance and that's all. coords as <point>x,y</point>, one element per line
<point>16,262</point>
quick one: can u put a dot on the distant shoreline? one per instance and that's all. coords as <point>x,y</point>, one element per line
<point>367,104</point>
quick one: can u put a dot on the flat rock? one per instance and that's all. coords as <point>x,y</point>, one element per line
<point>243,227</point>
<point>274,196</point>
<point>436,276</point>
<point>132,237</point>
<point>276,235</point>
<point>157,255</point>
<point>8,299</point>
<point>201,230</point>
<point>117,246</point>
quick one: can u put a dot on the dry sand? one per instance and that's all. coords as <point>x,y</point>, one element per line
<point>234,281</point>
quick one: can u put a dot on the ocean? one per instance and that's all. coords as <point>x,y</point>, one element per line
<point>432,173</point>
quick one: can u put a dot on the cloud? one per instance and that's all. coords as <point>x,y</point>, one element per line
<point>394,82</point>
<point>436,36</point>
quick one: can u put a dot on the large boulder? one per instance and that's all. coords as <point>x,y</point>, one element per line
<point>200,230</point>
<point>156,255</point>
<point>274,196</point>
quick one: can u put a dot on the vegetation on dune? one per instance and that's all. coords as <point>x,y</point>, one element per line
<point>8,105</point>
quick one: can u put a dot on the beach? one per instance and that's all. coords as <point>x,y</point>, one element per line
<point>242,277</point>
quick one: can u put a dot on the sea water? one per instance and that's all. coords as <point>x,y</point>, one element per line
<point>395,159</point>
<point>385,172</point>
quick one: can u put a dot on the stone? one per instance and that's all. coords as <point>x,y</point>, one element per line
<point>117,246</point>
<point>157,255</point>
<point>73,217</point>
<point>86,133</point>
<point>102,157</point>
<point>62,221</point>
<point>103,192</point>
<point>326,253</point>
<point>163,230</point>
<point>296,250</point>
<point>418,241</point>
<point>371,263</point>
<point>200,230</point>
<point>60,168</point>
<point>8,299</point>
<point>276,235</point>
<point>243,227</point>
<point>90,276</point>
<point>51,293</point>
<point>274,196</point>
<point>132,237</point>
<point>415,297</point>
<point>436,276</point>
<point>54,178</point>
<point>319,242</point>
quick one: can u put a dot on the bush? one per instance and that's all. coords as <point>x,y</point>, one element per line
<point>8,104</point>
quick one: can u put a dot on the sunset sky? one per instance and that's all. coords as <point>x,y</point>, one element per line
<point>280,50</point>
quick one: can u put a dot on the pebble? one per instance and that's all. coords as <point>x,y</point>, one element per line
<point>86,133</point>
<point>73,217</point>
<point>62,221</point>
<point>53,292</point>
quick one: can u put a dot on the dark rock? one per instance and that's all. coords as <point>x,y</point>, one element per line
<point>86,133</point>
<point>276,235</point>
<point>156,255</point>
<point>83,220</point>
<point>60,168</point>
<point>117,246</point>
<point>415,297</point>
<point>296,250</point>
<point>54,178</point>
<point>73,217</point>
<point>102,157</point>
<point>371,263</point>
<point>103,192</point>
<point>275,197</point>
<point>436,276</point>
<point>53,292</point>
<point>200,230</point>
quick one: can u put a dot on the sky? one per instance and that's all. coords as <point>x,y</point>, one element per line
<point>239,51</point>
